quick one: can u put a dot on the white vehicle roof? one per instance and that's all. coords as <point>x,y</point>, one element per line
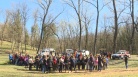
<point>69,50</point>
<point>48,49</point>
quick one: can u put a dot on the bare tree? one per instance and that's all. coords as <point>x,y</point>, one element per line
<point>17,27</point>
<point>133,25</point>
<point>4,26</point>
<point>136,24</point>
<point>45,5</point>
<point>98,9</point>
<point>87,20</point>
<point>78,12</point>
<point>117,15</point>
<point>116,26</point>
<point>46,20</point>
<point>24,14</point>
<point>35,31</point>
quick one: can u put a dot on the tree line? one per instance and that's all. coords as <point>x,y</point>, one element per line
<point>118,31</point>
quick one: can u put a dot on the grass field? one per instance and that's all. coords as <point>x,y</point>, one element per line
<point>116,68</point>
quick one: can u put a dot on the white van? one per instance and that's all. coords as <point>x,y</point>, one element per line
<point>84,52</point>
<point>48,51</point>
<point>69,51</point>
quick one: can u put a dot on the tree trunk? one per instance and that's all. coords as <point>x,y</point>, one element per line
<point>97,21</point>
<point>24,38</point>
<point>79,24</point>
<point>12,46</point>
<point>86,38</point>
<point>41,37</point>
<point>116,27</point>
<point>133,28</point>
<point>45,8</point>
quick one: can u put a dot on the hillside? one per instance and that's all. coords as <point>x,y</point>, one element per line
<point>6,48</point>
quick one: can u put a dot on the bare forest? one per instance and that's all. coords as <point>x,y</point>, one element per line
<point>89,26</point>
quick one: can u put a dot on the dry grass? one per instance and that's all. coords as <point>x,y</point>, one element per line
<point>116,68</point>
<point>19,71</point>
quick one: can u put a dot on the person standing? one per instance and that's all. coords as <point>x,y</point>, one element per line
<point>72,63</point>
<point>49,63</point>
<point>10,58</point>
<point>107,61</point>
<point>66,61</point>
<point>61,63</point>
<point>30,63</point>
<point>86,62</point>
<point>37,62</point>
<point>95,63</point>
<point>99,63</point>
<point>44,63</point>
<point>91,63</point>
<point>54,63</point>
<point>126,61</point>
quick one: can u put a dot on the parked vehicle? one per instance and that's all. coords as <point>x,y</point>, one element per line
<point>84,52</point>
<point>69,51</point>
<point>120,54</point>
<point>47,51</point>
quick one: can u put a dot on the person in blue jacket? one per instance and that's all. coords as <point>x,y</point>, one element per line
<point>10,58</point>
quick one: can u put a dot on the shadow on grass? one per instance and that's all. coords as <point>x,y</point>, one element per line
<point>33,71</point>
<point>5,63</point>
<point>114,63</point>
<point>133,60</point>
<point>128,70</point>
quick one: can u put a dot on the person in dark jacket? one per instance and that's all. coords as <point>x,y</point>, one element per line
<point>49,61</point>
<point>126,61</point>
<point>66,62</point>
<point>91,63</point>
<point>44,64</point>
<point>72,63</point>
<point>37,62</point>
<point>83,63</point>
<point>99,63</point>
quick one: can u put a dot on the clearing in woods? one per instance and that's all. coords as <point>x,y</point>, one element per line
<point>116,68</point>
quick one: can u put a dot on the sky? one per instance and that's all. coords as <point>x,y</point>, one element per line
<point>32,6</point>
<point>56,7</point>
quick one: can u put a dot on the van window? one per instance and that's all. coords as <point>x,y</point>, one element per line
<point>43,51</point>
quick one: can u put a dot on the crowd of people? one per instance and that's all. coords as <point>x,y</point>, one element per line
<point>64,62</point>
